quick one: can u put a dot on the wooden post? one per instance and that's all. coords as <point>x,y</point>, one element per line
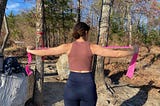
<point>38,90</point>
<point>7,34</point>
<point>2,11</point>
<point>4,43</point>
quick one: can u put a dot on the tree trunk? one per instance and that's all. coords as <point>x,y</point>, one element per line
<point>129,24</point>
<point>63,24</point>
<point>102,40</point>
<point>2,11</point>
<point>38,92</point>
<point>98,65</point>
<point>79,10</point>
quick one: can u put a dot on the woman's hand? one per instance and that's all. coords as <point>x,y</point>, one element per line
<point>136,49</point>
<point>29,48</point>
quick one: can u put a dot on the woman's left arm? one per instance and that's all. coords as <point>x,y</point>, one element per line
<point>49,51</point>
<point>103,51</point>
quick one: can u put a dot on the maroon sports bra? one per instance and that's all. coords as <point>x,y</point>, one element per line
<point>80,56</point>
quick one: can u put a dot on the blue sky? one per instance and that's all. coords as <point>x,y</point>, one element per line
<point>17,6</point>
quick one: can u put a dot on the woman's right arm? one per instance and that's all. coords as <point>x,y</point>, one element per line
<point>107,52</point>
<point>50,51</point>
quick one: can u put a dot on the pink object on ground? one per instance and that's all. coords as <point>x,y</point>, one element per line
<point>27,68</point>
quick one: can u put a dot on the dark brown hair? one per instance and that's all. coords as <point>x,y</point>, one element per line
<point>80,29</point>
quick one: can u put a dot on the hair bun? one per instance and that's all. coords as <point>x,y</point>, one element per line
<point>80,29</point>
<point>76,35</point>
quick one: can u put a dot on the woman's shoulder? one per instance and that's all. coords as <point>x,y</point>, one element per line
<point>93,45</point>
<point>96,48</point>
<point>67,45</point>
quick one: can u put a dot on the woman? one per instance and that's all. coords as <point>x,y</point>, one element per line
<point>80,89</point>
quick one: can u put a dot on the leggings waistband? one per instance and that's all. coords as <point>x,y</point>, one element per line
<point>81,77</point>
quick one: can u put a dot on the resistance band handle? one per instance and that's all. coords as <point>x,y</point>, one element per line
<point>29,55</point>
<point>27,68</point>
<point>29,58</point>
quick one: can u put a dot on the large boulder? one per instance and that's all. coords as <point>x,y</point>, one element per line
<point>63,67</point>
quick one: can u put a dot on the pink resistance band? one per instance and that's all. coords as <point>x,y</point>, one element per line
<point>29,55</point>
<point>118,47</point>
<point>131,67</point>
<point>132,64</point>
<point>27,68</point>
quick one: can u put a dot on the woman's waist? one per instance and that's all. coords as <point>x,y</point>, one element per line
<point>80,67</point>
<point>84,77</point>
<point>81,71</point>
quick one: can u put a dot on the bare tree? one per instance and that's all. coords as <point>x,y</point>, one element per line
<point>2,11</point>
<point>38,90</point>
<point>102,40</point>
<point>129,23</point>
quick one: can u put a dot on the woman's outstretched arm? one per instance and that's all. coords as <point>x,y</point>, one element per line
<point>49,51</point>
<point>103,51</point>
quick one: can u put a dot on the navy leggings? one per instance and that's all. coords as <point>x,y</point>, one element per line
<point>80,90</point>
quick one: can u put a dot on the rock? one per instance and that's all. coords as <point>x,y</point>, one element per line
<point>63,67</point>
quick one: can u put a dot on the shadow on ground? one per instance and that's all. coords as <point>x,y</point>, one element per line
<point>141,97</point>
<point>53,92</point>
